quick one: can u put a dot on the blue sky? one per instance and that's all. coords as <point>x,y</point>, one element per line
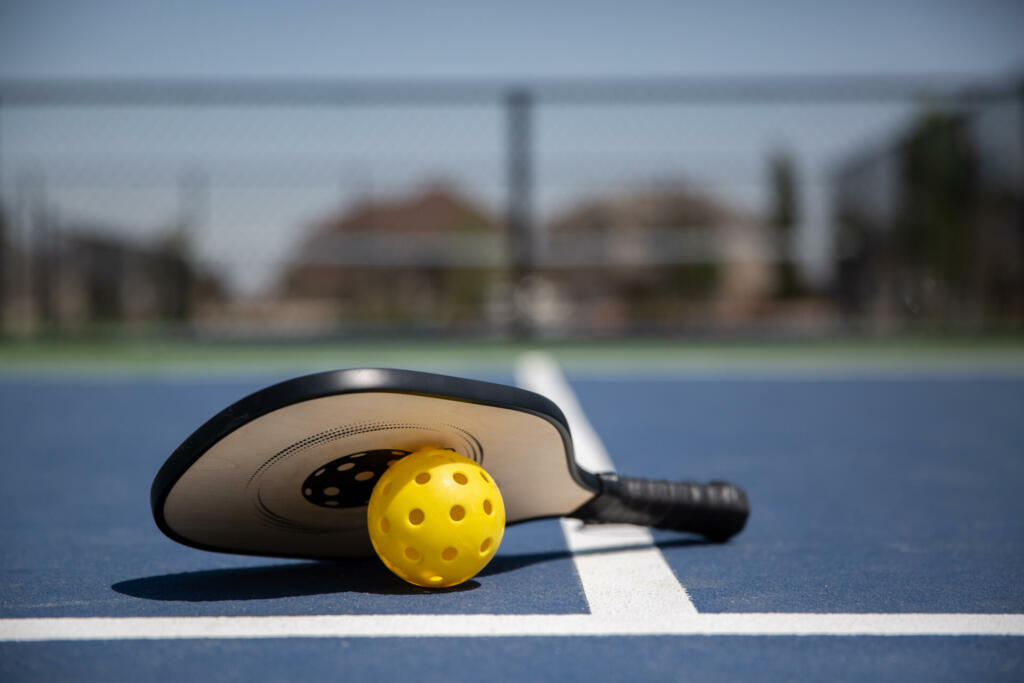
<point>466,38</point>
<point>300,158</point>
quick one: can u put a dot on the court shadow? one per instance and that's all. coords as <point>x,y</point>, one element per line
<point>270,582</point>
<point>507,563</point>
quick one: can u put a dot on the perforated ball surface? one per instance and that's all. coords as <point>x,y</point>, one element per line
<point>436,518</point>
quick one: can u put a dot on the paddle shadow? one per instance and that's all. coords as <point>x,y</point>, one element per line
<point>507,563</point>
<point>270,582</point>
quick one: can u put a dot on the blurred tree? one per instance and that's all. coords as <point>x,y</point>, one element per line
<point>4,270</point>
<point>936,238</point>
<point>784,215</point>
<point>929,226</point>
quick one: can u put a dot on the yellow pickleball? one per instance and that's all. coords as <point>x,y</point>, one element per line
<point>435,518</point>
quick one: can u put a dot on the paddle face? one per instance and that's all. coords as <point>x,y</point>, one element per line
<point>288,471</point>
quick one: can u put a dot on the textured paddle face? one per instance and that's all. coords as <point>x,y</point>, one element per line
<point>289,470</point>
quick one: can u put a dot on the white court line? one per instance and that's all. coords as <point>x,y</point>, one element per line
<point>634,579</point>
<point>508,625</point>
<point>630,592</point>
<point>540,373</point>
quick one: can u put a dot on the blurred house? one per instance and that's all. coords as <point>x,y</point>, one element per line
<point>429,261</point>
<point>656,260</point>
<point>930,226</point>
<point>84,276</point>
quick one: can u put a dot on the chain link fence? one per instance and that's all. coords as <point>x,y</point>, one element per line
<point>556,210</point>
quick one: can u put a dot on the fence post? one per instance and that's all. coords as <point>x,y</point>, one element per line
<point>6,248</point>
<point>4,266</point>
<point>42,253</point>
<point>1020,209</point>
<point>519,224</point>
<point>193,200</point>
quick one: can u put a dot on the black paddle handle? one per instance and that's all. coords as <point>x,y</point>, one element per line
<point>717,510</point>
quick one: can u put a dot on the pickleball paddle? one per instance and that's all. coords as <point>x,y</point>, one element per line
<point>288,471</point>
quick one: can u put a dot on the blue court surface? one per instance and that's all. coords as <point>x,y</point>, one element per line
<point>886,542</point>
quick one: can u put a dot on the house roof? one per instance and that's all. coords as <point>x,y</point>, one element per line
<point>435,211</point>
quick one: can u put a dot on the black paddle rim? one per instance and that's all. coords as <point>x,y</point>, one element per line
<point>352,381</point>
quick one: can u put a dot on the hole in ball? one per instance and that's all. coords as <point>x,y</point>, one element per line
<point>416,516</point>
<point>488,508</point>
<point>449,554</point>
<point>485,545</point>
<point>385,525</point>
<point>457,513</point>
<point>363,476</point>
<point>412,554</point>
<point>484,476</point>
<point>460,478</point>
<point>423,477</point>
<point>387,488</point>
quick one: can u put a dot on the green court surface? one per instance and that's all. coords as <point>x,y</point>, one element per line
<point>120,356</point>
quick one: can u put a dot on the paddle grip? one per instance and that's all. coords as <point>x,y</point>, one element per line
<point>717,510</point>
